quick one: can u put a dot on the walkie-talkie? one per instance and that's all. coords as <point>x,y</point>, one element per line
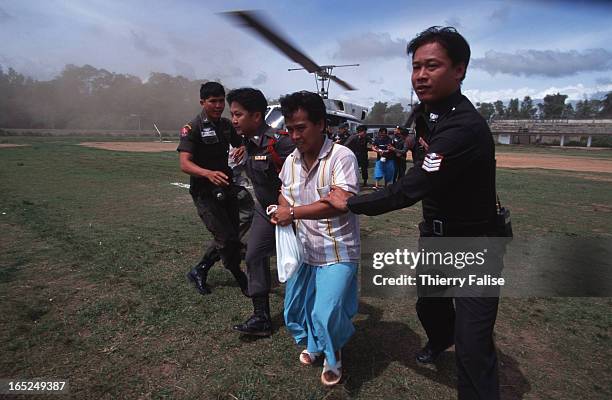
<point>503,223</point>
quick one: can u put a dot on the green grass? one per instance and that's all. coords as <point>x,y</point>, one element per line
<point>95,245</point>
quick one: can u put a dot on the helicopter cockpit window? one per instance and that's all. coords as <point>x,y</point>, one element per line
<point>275,119</point>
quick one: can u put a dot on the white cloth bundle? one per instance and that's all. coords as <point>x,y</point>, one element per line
<point>289,252</point>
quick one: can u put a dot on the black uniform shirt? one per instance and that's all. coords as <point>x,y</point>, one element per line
<point>260,166</point>
<point>453,172</point>
<point>208,142</point>
<point>359,146</point>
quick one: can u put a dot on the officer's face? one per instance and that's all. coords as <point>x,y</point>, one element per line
<point>306,135</point>
<point>246,123</point>
<point>213,106</point>
<point>433,75</point>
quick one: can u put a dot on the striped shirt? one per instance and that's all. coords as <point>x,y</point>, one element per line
<point>330,240</point>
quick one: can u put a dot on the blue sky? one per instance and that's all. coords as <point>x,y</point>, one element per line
<point>518,48</point>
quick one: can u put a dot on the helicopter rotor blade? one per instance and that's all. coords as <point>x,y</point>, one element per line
<point>341,82</point>
<point>255,22</point>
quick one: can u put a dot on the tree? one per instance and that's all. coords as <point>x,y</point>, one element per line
<point>500,110</point>
<point>527,110</point>
<point>569,112</point>
<point>486,110</point>
<point>377,113</point>
<point>606,105</point>
<point>513,109</point>
<point>553,106</point>
<point>395,114</point>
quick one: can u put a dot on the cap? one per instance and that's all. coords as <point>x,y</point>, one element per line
<point>343,125</point>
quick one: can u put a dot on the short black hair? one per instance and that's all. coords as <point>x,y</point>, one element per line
<point>362,128</point>
<point>253,100</point>
<point>456,46</point>
<point>382,130</point>
<point>310,102</point>
<point>211,89</point>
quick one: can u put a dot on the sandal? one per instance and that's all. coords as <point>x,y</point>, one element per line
<point>308,358</point>
<point>331,375</point>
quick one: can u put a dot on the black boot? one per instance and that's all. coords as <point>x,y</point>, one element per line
<point>259,324</point>
<point>198,275</point>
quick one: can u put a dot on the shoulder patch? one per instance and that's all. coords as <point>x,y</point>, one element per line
<point>185,130</point>
<point>432,162</point>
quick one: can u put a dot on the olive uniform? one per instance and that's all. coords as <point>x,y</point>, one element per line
<point>217,206</point>
<point>454,176</point>
<point>266,151</point>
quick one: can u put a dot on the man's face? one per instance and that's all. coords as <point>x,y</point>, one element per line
<point>213,106</point>
<point>245,122</point>
<point>361,133</point>
<point>305,134</point>
<point>382,134</point>
<point>433,75</point>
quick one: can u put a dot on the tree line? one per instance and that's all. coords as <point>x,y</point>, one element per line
<point>86,97</point>
<point>89,98</point>
<point>552,107</point>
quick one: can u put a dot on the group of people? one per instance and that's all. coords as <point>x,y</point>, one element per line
<point>314,183</point>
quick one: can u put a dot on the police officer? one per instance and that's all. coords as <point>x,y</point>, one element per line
<point>454,176</point>
<point>343,133</point>
<point>203,154</point>
<point>399,147</point>
<point>360,145</point>
<point>266,150</point>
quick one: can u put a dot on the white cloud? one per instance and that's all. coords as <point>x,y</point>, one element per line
<point>551,63</point>
<point>370,45</point>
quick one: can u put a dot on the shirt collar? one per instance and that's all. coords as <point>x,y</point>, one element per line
<point>443,106</point>
<point>263,130</point>
<point>325,149</point>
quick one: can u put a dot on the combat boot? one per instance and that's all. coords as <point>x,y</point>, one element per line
<point>259,324</point>
<point>198,276</point>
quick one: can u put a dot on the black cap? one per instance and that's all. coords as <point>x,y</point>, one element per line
<point>344,125</point>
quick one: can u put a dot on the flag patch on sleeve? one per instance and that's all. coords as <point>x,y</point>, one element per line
<point>185,130</point>
<point>432,162</point>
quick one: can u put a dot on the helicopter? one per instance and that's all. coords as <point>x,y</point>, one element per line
<point>338,111</point>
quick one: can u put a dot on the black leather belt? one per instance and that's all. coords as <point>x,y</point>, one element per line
<point>438,227</point>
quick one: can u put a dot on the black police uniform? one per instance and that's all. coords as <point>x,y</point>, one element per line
<point>399,143</point>
<point>217,206</point>
<point>360,146</point>
<point>454,176</point>
<point>262,170</point>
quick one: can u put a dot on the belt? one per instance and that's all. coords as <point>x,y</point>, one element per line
<point>439,227</point>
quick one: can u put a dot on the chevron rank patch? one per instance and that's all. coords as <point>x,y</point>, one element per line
<point>432,162</point>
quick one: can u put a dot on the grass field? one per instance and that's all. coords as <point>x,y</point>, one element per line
<point>95,244</point>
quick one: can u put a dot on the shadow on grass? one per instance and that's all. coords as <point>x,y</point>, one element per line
<point>378,343</point>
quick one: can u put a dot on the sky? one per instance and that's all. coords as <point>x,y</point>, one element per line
<point>519,48</point>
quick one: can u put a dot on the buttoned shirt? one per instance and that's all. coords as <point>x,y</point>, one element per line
<point>329,240</point>
<point>454,168</point>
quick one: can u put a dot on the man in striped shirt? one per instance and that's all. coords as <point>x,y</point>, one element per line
<point>321,297</point>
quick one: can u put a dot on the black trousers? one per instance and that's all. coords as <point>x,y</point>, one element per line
<point>245,217</point>
<point>363,164</point>
<point>400,169</point>
<point>468,323</point>
<point>221,218</point>
<point>260,247</point>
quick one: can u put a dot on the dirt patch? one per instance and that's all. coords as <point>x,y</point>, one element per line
<point>545,161</point>
<point>7,145</point>
<point>146,147</point>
